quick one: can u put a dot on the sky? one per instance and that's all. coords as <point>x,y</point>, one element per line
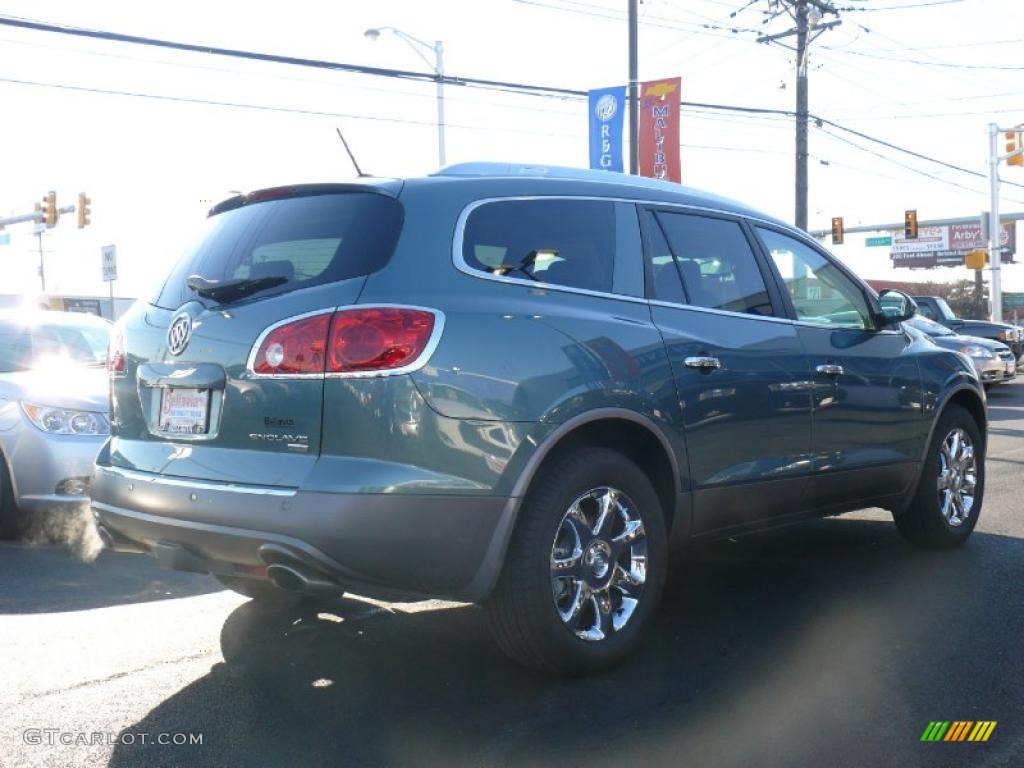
<point>928,75</point>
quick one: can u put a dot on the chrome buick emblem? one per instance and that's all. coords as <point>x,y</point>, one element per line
<point>178,334</point>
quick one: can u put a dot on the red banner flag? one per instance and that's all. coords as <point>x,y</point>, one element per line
<point>659,129</point>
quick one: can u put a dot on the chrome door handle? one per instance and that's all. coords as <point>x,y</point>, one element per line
<point>705,364</point>
<point>831,369</point>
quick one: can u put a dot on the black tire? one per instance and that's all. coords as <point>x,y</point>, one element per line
<point>11,523</point>
<point>523,615</point>
<point>923,522</point>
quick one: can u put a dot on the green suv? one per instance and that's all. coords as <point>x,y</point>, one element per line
<point>520,387</point>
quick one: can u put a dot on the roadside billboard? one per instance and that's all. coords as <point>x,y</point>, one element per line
<point>945,246</point>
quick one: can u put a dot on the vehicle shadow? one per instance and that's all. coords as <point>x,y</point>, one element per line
<point>833,643</point>
<point>53,578</point>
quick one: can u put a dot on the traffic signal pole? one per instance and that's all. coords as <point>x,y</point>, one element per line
<point>40,218</point>
<point>995,256</point>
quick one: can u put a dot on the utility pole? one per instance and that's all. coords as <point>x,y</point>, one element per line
<point>634,115</point>
<point>800,217</point>
<point>806,15</point>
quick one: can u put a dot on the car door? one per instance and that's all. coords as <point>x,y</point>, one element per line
<point>740,371</point>
<point>867,421</point>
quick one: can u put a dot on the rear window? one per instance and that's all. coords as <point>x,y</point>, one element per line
<point>306,240</point>
<point>562,242</point>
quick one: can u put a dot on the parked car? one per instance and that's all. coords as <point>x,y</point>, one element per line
<point>994,361</point>
<point>53,410</point>
<point>517,386</point>
<point>935,308</point>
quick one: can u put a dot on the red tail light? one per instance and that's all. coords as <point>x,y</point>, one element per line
<point>377,338</point>
<point>116,359</point>
<point>357,340</point>
<point>296,347</point>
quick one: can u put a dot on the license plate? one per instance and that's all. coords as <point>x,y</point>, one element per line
<point>1011,368</point>
<point>184,411</point>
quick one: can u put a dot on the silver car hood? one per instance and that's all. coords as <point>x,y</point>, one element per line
<point>957,342</point>
<point>76,388</point>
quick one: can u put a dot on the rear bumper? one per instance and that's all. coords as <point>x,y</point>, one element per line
<point>448,546</point>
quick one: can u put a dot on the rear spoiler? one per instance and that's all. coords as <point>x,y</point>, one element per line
<point>386,187</point>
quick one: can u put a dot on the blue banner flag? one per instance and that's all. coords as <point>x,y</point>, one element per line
<point>607,107</point>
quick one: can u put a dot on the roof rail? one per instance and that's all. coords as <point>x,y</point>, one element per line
<point>532,171</point>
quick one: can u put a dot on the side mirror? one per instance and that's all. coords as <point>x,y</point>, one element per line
<point>896,307</point>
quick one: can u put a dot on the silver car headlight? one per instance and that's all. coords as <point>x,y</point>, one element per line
<point>64,421</point>
<point>973,350</point>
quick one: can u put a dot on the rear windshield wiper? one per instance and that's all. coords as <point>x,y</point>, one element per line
<point>231,290</point>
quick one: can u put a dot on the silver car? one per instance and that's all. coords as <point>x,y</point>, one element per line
<point>993,360</point>
<point>53,410</point>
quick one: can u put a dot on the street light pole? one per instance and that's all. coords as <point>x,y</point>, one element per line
<point>634,116</point>
<point>439,71</point>
<point>373,33</point>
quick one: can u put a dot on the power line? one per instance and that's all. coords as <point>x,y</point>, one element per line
<point>910,168</point>
<point>919,62</point>
<point>310,81</point>
<point>898,7</point>
<point>910,152</point>
<point>521,88</point>
<point>264,107</point>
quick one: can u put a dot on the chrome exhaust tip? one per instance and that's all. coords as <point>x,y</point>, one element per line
<point>293,578</point>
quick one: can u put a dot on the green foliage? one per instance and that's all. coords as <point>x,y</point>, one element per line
<point>964,300</point>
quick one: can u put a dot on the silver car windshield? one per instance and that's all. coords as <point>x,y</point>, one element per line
<point>27,346</point>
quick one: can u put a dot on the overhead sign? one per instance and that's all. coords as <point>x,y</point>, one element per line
<point>659,129</point>
<point>109,263</point>
<point>874,242</point>
<point>607,107</point>
<point>928,240</point>
<point>946,246</point>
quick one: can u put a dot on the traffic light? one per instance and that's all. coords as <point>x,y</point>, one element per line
<point>83,210</point>
<point>975,259</point>
<point>50,209</point>
<point>1013,143</point>
<point>910,225</point>
<point>837,230</point>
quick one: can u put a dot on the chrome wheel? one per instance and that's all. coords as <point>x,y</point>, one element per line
<point>958,477</point>
<point>598,563</point>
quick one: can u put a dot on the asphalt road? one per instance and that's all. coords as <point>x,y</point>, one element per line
<point>827,644</point>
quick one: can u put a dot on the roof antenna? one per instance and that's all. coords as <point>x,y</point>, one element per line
<point>359,171</point>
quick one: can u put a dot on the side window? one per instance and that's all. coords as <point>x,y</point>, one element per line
<point>562,242</point>
<point>714,259</point>
<point>821,292</point>
<point>666,285</point>
<point>927,311</point>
